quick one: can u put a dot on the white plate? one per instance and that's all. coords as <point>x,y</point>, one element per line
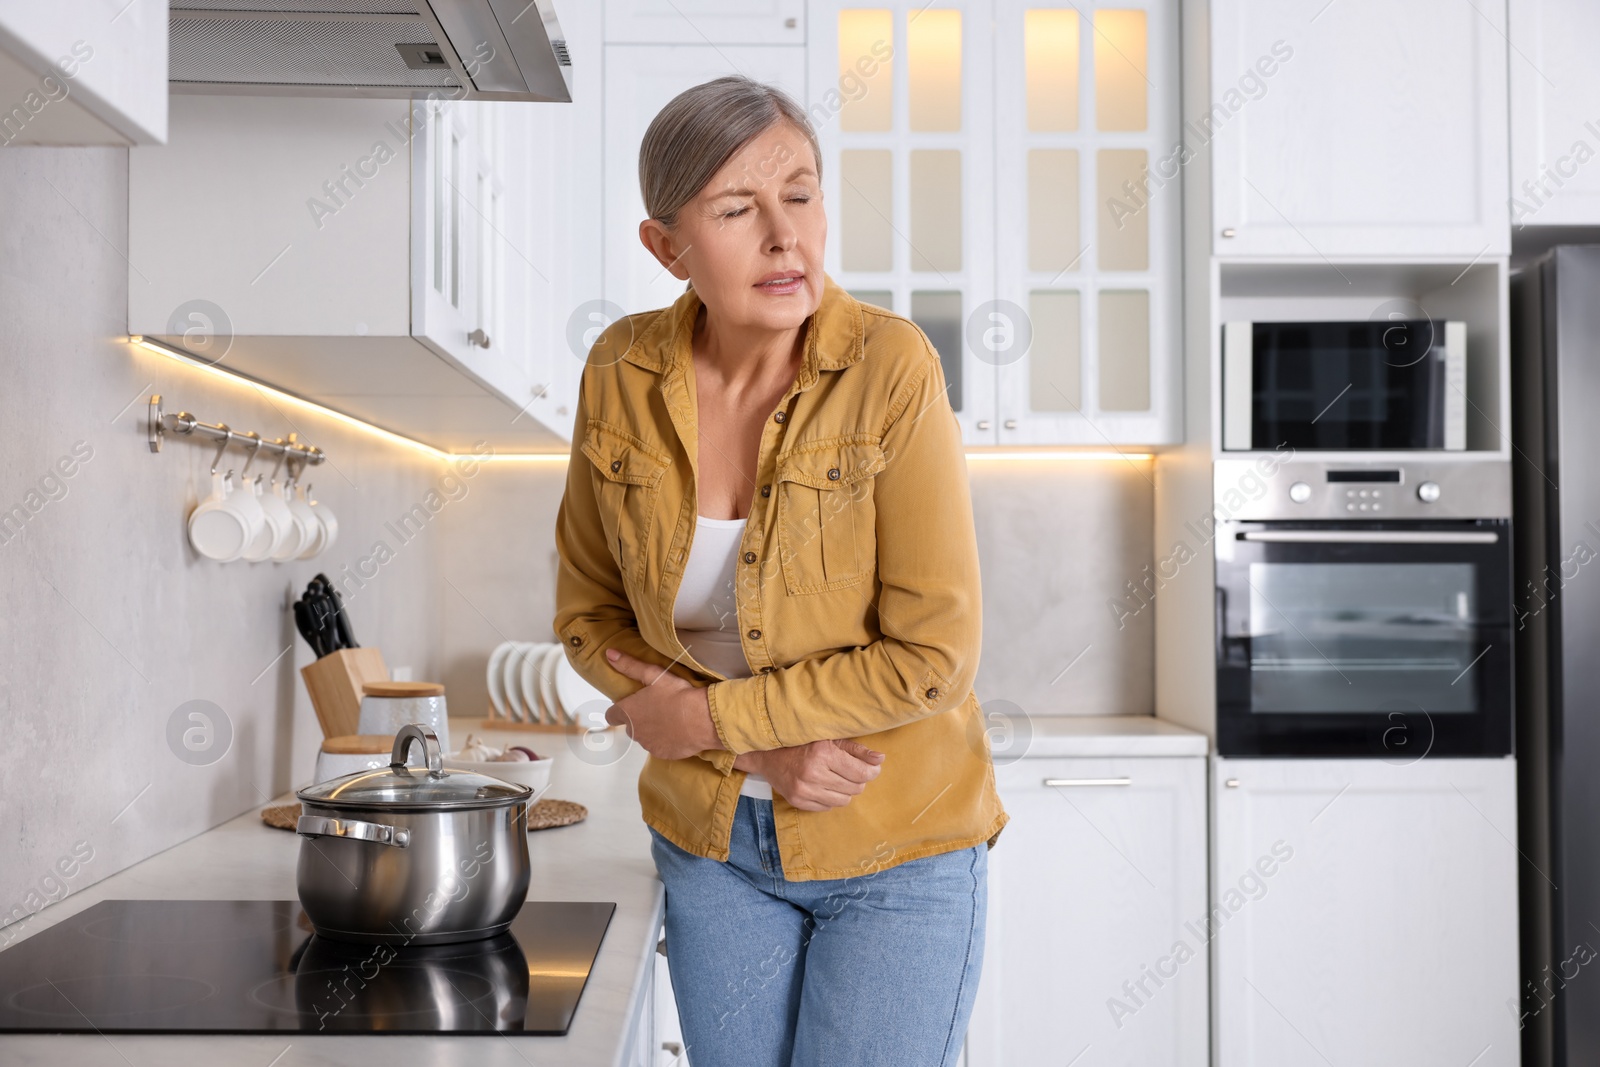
<point>512,680</point>
<point>572,690</point>
<point>547,685</point>
<point>496,679</point>
<point>528,680</point>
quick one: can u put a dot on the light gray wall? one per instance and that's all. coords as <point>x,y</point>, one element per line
<point>110,621</point>
<point>1059,541</point>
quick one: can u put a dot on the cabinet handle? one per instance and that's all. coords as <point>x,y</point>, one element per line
<point>1011,424</point>
<point>479,338</point>
<point>983,424</point>
<point>1232,783</point>
<point>1088,781</point>
<point>1229,232</point>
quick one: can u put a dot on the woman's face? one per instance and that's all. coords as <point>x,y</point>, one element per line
<point>759,216</point>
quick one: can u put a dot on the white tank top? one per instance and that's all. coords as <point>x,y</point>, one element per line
<point>706,612</point>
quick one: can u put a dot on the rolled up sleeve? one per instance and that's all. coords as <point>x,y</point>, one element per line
<point>592,608</point>
<point>929,606</point>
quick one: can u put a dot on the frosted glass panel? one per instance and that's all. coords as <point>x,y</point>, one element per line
<point>1124,350</point>
<point>939,315</point>
<point>1120,84</point>
<point>865,80</point>
<point>866,186</point>
<point>1053,237</point>
<point>878,297</point>
<point>933,52</point>
<point>1124,220</point>
<point>1051,39</point>
<point>1055,361</point>
<point>936,209</point>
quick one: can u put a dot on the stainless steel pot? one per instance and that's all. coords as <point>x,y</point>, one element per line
<point>416,856</point>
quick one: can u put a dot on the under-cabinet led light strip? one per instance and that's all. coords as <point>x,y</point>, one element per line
<point>274,393</point>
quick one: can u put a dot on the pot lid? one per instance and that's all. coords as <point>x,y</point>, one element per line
<point>428,788</point>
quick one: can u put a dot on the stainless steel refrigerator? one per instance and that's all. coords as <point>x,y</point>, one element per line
<point>1555,357</point>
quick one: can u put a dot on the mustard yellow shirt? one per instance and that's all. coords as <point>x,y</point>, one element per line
<point>858,593</point>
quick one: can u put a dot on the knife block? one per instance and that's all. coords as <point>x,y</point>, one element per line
<point>335,682</point>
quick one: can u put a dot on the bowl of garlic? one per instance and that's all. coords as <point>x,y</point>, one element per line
<point>517,764</point>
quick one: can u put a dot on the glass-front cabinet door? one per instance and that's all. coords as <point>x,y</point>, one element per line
<point>901,99</point>
<point>1006,175</point>
<point>1084,334</point>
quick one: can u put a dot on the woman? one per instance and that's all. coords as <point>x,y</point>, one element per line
<point>768,563</point>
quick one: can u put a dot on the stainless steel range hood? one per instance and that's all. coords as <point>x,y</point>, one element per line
<point>461,49</point>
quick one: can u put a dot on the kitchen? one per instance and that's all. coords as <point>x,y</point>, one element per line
<point>1254,816</point>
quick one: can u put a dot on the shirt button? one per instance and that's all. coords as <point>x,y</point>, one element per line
<point>749,557</point>
<point>932,694</point>
<point>575,641</point>
<point>616,465</point>
<point>779,417</point>
<point>754,635</point>
<point>766,490</point>
<point>768,669</point>
<point>833,474</point>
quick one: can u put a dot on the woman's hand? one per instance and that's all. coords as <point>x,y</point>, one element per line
<point>670,717</point>
<point>816,776</point>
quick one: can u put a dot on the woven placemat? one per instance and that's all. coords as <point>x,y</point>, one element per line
<point>542,816</point>
<point>281,816</point>
<point>547,813</point>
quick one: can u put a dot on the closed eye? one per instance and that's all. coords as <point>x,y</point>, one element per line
<point>740,211</point>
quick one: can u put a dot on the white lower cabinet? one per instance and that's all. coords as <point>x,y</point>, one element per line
<point>1097,903</point>
<point>666,1049</point>
<point>1364,912</point>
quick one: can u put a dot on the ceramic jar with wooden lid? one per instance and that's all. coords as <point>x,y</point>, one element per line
<point>387,706</point>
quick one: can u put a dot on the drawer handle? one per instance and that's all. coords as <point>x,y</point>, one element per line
<point>1088,781</point>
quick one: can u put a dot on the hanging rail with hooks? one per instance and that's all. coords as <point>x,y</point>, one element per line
<point>187,424</point>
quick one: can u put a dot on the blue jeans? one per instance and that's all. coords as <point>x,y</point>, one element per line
<point>876,969</point>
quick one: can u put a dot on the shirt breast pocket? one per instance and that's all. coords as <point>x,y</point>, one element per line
<point>827,521</point>
<point>629,476</point>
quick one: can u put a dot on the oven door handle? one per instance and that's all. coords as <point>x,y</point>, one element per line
<point>1373,537</point>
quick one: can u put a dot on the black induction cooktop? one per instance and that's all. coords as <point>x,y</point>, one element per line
<point>255,967</point>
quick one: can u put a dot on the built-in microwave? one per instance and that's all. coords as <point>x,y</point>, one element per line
<point>1384,385</point>
<point>1364,611</point>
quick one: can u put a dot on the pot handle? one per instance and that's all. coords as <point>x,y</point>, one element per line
<point>424,736</point>
<point>378,833</point>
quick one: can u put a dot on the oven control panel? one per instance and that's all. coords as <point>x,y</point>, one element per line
<point>1273,487</point>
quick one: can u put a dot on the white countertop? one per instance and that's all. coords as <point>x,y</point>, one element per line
<point>1111,735</point>
<point>605,857</point>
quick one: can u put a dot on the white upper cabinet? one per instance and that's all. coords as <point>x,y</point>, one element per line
<point>1358,127</point>
<point>639,82</point>
<point>364,254</point>
<point>1087,207</point>
<point>990,174</point>
<point>83,73</point>
<point>705,22</point>
<point>1555,113</point>
<point>904,110</point>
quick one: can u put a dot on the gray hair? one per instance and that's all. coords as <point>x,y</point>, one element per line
<point>702,128</point>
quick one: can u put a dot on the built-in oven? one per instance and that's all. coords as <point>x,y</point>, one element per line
<point>1365,611</point>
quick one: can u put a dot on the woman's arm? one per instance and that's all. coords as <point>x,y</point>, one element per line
<point>929,611</point>
<point>817,776</point>
<point>589,588</point>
